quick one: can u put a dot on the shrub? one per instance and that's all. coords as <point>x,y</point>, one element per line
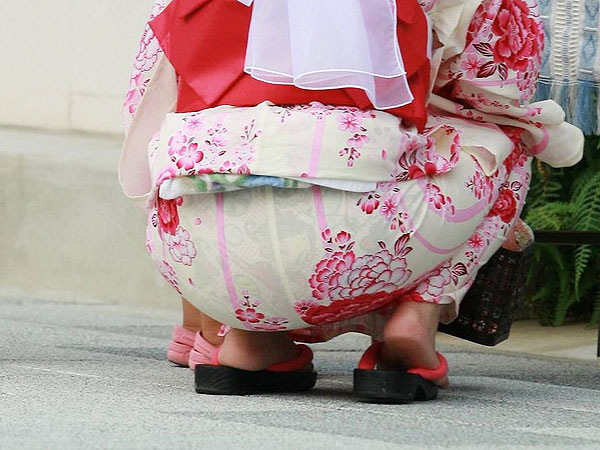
<point>564,282</point>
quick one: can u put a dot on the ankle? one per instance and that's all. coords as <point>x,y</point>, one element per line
<point>409,337</point>
<point>192,318</point>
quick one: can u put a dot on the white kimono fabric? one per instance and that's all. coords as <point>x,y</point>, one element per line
<point>318,219</point>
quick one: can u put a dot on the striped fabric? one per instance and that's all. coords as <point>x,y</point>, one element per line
<point>571,63</point>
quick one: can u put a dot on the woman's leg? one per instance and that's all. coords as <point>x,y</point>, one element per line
<point>196,321</point>
<point>409,337</point>
<point>192,318</point>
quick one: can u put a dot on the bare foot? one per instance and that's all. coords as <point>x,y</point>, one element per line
<point>409,337</point>
<point>256,351</point>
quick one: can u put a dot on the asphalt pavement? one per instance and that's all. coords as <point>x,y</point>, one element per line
<point>92,375</point>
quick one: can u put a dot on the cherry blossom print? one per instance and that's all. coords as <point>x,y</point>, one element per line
<point>438,200</point>
<point>247,310</point>
<point>471,65</point>
<point>358,140</point>
<point>133,97</point>
<point>386,199</point>
<point>193,123</point>
<point>389,208</point>
<point>249,315</point>
<point>145,60</point>
<point>177,142</point>
<point>217,136</point>
<point>188,156</point>
<point>527,81</point>
<point>421,158</point>
<point>481,185</point>
<point>351,119</point>
<point>476,242</point>
<point>350,122</point>
<point>195,150</point>
<point>169,274</point>
<point>505,42</point>
<point>351,153</point>
<point>181,247</point>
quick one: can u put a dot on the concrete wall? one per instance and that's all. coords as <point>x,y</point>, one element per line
<point>65,63</point>
<point>67,232</point>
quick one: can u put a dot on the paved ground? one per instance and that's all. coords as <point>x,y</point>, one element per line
<point>94,376</point>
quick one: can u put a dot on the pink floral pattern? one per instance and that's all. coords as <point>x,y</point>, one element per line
<point>439,201</point>
<point>419,159</point>
<point>168,216</point>
<point>505,45</point>
<point>248,311</point>
<point>387,200</point>
<point>351,120</point>
<point>383,255</point>
<point>436,281</point>
<point>422,159</point>
<point>181,247</point>
<point>345,275</point>
<point>169,274</point>
<point>146,58</point>
<point>196,149</point>
<point>481,185</point>
<point>344,285</point>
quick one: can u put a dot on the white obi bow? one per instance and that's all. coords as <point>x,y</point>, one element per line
<point>329,44</point>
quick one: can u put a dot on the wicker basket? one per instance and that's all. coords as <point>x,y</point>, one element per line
<point>487,312</point>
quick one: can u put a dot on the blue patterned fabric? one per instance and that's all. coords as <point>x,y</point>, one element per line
<point>570,71</point>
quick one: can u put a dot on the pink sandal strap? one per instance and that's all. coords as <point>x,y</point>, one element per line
<point>203,353</point>
<point>371,357</point>
<point>183,336</point>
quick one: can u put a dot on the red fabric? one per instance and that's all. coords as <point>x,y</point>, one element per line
<point>205,41</point>
<point>304,358</point>
<point>371,357</point>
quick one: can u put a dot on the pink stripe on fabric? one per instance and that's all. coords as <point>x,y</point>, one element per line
<point>460,215</point>
<point>419,237</point>
<point>316,151</point>
<point>320,208</point>
<point>541,146</point>
<point>432,248</point>
<point>485,83</point>
<point>223,250</point>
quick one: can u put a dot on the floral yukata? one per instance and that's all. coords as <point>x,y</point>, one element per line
<point>317,219</point>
